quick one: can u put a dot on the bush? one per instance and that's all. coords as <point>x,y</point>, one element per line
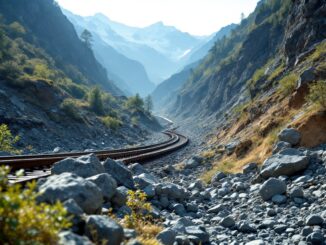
<point>288,84</point>
<point>23,221</point>
<point>135,103</point>
<point>95,101</point>
<point>140,219</point>
<point>111,122</point>
<point>7,140</point>
<point>71,109</point>
<point>317,94</point>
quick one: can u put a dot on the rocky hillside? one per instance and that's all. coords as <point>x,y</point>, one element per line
<point>48,85</point>
<point>265,45</point>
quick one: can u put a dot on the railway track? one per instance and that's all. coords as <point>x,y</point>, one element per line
<point>39,166</point>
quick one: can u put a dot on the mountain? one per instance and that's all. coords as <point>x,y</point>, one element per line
<point>129,75</point>
<point>159,48</point>
<point>54,93</point>
<point>62,42</point>
<point>203,50</point>
<point>164,94</point>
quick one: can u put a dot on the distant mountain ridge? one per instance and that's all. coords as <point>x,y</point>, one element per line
<point>159,48</point>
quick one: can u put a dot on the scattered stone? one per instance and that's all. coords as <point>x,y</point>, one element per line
<point>106,183</point>
<point>227,222</point>
<point>84,166</point>
<point>290,135</point>
<point>287,162</point>
<point>137,169</point>
<point>316,238</point>
<point>119,172</point>
<point>218,176</point>
<point>68,237</point>
<point>296,192</point>
<point>256,242</point>
<point>104,230</point>
<point>314,219</point>
<point>120,197</point>
<point>271,188</point>
<point>167,237</point>
<point>198,232</point>
<point>281,145</point>
<point>250,168</point>
<point>279,199</point>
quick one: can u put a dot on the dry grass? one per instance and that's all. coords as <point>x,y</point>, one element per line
<point>147,233</point>
<point>208,154</point>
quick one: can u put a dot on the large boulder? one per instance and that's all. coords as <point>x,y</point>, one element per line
<point>120,197</point>
<point>119,172</point>
<point>144,180</point>
<point>271,188</point>
<point>287,162</point>
<point>198,232</point>
<point>84,166</point>
<point>166,237</point>
<point>103,230</point>
<point>290,135</point>
<point>106,183</point>
<point>172,191</point>
<point>70,186</point>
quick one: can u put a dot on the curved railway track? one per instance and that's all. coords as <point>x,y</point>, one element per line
<point>38,166</point>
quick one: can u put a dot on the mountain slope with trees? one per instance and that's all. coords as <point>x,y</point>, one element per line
<point>53,91</point>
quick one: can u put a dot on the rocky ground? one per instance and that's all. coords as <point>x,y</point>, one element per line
<point>281,202</point>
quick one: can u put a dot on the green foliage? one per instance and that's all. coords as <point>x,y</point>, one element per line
<point>7,140</point>
<point>71,108</point>
<point>17,28</point>
<point>134,121</point>
<point>23,220</point>
<point>288,84</point>
<point>135,103</point>
<point>317,94</point>
<point>95,101</point>
<point>111,122</point>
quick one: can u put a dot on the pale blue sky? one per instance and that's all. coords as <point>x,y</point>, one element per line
<point>199,17</point>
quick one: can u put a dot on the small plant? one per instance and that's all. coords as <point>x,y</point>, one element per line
<point>7,140</point>
<point>134,121</point>
<point>71,109</point>
<point>135,103</point>
<point>288,84</point>
<point>111,122</point>
<point>23,220</point>
<point>208,154</point>
<point>95,101</point>
<point>317,94</point>
<point>140,219</point>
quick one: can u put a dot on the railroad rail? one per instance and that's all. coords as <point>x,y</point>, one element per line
<point>39,166</point>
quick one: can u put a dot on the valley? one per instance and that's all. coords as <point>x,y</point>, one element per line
<point>119,134</point>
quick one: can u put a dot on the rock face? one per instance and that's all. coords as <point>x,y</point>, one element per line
<point>84,166</point>
<point>287,162</point>
<point>103,230</point>
<point>290,135</point>
<point>271,188</point>
<point>106,183</point>
<point>70,186</point>
<point>119,172</point>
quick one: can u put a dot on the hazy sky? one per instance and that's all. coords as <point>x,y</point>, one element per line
<point>200,17</point>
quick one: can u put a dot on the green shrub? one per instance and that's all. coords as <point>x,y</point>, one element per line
<point>23,220</point>
<point>70,108</point>
<point>140,219</point>
<point>134,121</point>
<point>95,101</point>
<point>111,122</point>
<point>288,84</point>
<point>317,94</point>
<point>135,103</point>
<point>7,140</point>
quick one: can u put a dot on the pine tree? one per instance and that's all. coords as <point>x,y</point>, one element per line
<point>87,38</point>
<point>95,101</point>
<point>148,104</point>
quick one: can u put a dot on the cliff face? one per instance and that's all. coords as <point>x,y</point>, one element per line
<point>276,30</point>
<point>50,30</point>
